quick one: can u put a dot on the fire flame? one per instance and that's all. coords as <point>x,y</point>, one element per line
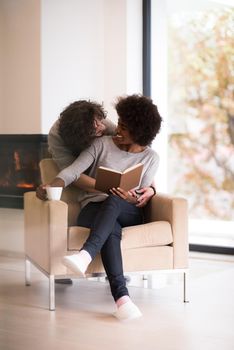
<point>25,185</point>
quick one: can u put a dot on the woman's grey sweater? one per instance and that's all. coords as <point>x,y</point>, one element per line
<point>104,152</point>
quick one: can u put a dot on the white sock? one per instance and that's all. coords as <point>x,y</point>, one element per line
<point>78,263</point>
<point>128,311</point>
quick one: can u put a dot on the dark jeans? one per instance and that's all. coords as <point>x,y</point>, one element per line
<point>106,219</point>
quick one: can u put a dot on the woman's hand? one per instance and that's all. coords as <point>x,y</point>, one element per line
<point>124,195</point>
<point>143,195</point>
<point>41,192</point>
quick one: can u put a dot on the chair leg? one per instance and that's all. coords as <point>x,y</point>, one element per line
<point>185,281</point>
<point>27,272</point>
<point>145,281</point>
<point>149,281</point>
<point>51,293</point>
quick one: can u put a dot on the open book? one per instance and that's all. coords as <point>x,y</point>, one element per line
<point>108,178</point>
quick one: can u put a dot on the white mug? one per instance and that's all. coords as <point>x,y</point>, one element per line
<point>54,193</point>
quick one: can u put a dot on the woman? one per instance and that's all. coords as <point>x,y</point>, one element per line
<point>105,215</point>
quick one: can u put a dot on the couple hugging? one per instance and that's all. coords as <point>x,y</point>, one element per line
<point>80,141</point>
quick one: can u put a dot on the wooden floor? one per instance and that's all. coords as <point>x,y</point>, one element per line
<point>83,318</point>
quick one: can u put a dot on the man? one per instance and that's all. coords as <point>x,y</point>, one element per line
<point>78,125</point>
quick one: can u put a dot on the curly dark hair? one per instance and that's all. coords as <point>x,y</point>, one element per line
<point>141,117</point>
<point>76,124</point>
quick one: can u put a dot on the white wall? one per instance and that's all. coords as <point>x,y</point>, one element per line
<point>123,50</point>
<point>72,42</point>
<point>90,49</point>
<point>115,52</point>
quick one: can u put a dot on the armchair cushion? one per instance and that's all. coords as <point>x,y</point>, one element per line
<point>145,235</point>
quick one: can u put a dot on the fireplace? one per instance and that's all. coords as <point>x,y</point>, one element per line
<point>19,166</point>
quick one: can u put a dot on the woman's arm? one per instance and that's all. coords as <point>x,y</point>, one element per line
<point>63,157</point>
<point>144,194</point>
<point>86,183</point>
<point>71,173</point>
<point>41,190</point>
<point>133,196</point>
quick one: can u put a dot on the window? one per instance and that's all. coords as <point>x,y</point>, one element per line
<point>193,84</point>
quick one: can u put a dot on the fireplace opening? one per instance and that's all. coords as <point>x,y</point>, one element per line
<point>19,166</point>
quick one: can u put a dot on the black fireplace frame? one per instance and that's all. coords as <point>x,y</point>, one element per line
<point>16,201</point>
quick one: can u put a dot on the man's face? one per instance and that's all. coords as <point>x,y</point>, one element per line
<point>99,126</point>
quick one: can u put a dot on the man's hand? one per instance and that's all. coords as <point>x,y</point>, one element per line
<point>143,195</point>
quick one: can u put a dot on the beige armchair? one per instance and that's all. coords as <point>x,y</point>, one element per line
<point>51,232</point>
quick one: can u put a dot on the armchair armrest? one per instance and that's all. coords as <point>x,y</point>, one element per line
<point>175,211</point>
<point>45,232</point>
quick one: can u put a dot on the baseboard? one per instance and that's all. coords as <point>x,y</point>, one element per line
<point>12,254</point>
<point>211,249</point>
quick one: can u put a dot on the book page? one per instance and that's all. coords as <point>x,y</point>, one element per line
<point>109,169</point>
<point>132,167</point>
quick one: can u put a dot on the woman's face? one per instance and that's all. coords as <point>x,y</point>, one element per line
<point>99,126</point>
<point>123,137</point>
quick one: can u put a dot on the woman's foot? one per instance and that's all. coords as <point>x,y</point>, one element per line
<point>78,263</point>
<point>127,310</point>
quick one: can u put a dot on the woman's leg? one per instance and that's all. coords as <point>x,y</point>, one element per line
<point>102,219</point>
<point>110,252</point>
<point>112,262</point>
<point>114,209</point>
<point>113,214</point>
<point>79,262</point>
<point>128,215</point>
